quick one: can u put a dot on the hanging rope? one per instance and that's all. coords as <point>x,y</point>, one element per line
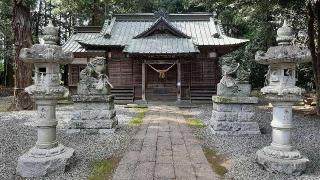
<point>162,72</point>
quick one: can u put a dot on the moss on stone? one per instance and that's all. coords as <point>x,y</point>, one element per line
<point>103,169</point>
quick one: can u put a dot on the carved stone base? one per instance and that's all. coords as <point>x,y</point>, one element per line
<point>91,131</point>
<point>92,114</point>
<point>42,162</point>
<point>233,115</point>
<point>242,90</point>
<point>94,123</point>
<point>286,162</point>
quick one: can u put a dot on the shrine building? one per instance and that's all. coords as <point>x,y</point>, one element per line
<point>154,57</point>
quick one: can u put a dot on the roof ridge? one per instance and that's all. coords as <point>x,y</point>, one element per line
<point>172,16</point>
<point>176,32</point>
<point>107,28</point>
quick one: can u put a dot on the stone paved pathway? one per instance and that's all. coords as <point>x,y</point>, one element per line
<point>164,148</point>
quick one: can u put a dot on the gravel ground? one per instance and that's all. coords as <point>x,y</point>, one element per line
<point>17,135</point>
<point>240,150</point>
<point>5,103</point>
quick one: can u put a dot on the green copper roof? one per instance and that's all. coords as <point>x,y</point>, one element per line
<point>123,29</point>
<point>161,45</point>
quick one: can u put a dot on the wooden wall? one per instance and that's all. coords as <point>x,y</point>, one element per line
<point>126,73</point>
<point>120,73</point>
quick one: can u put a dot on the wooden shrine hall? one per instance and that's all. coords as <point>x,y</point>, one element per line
<point>154,57</point>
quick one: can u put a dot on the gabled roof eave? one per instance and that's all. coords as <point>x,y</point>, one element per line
<point>170,27</point>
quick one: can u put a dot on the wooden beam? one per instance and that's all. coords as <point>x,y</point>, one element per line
<point>143,83</point>
<point>179,81</point>
<point>160,61</point>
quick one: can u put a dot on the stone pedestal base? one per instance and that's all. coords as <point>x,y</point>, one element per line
<point>41,162</point>
<point>234,115</point>
<point>286,162</point>
<point>93,114</point>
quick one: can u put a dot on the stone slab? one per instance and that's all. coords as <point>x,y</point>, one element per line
<point>82,114</point>
<point>165,171</point>
<point>234,100</point>
<point>93,124</point>
<point>184,171</point>
<point>90,131</point>
<point>93,98</point>
<point>174,154</point>
<point>29,166</point>
<point>235,128</point>
<point>232,116</point>
<point>144,171</point>
<point>233,107</point>
<point>93,106</point>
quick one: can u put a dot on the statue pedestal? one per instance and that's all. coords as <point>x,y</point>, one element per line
<point>233,115</point>
<point>93,114</point>
<point>242,90</point>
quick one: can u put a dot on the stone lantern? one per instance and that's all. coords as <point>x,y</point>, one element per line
<point>47,156</point>
<point>280,156</point>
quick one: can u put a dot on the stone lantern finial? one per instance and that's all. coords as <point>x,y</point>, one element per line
<point>285,34</point>
<point>50,34</point>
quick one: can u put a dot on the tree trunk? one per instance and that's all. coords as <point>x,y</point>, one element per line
<point>316,64</point>
<point>22,39</point>
<point>95,13</point>
<point>38,21</point>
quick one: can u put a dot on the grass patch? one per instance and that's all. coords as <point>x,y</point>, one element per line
<point>193,121</point>
<point>138,118</point>
<point>103,169</point>
<point>215,161</point>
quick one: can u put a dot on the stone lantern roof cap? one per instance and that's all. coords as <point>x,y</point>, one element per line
<point>285,52</point>
<point>49,52</point>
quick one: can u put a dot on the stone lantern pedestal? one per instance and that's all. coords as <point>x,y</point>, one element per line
<point>280,156</point>
<point>47,156</point>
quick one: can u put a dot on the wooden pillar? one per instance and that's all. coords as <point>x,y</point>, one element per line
<point>179,81</point>
<point>143,83</point>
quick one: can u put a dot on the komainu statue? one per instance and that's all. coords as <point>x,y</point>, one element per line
<point>94,105</point>
<point>93,79</point>
<point>235,79</point>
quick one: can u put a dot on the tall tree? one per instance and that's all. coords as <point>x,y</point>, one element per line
<point>38,19</point>
<point>314,29</point>
<point>21,25</point>
<point>5,21</point>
